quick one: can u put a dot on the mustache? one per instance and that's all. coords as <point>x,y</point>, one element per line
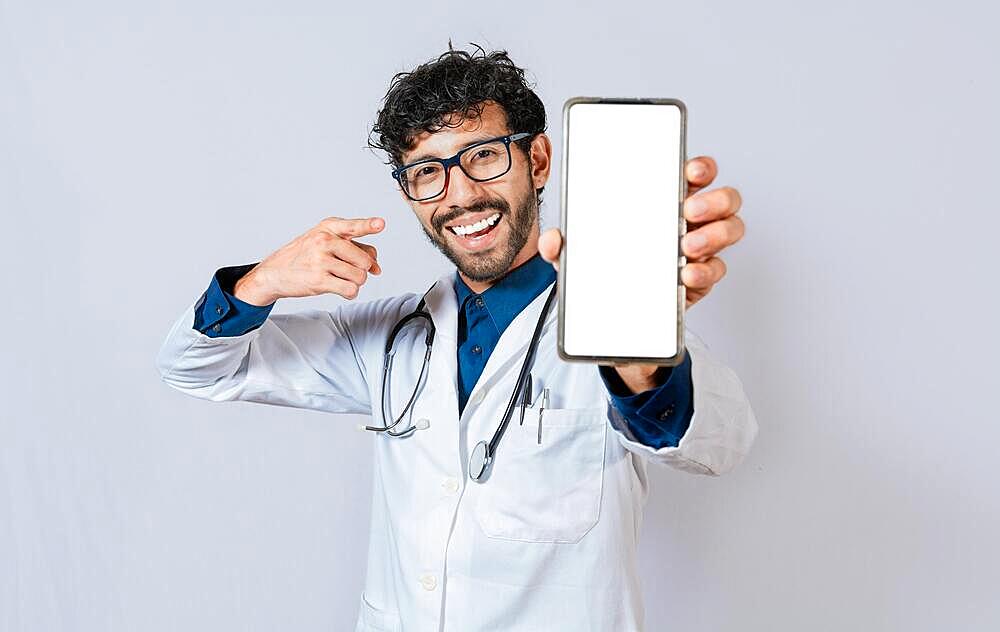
<point>498,204</point>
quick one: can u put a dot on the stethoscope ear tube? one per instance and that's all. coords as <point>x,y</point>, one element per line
<point>386,428</point>
<point>409,404</point>
<point>419,312</point>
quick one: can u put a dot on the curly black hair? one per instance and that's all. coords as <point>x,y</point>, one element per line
<point>457,82</point>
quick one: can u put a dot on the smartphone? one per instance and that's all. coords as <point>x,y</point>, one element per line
<point>623,188</point>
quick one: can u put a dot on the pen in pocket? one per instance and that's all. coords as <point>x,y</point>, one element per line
<point>541,409</point>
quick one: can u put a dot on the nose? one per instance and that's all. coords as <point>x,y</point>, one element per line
<point>460,189</point>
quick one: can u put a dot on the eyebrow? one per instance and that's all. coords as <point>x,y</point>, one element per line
<point>468,144</point>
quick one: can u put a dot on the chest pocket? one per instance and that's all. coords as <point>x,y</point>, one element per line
<point>549,492</point>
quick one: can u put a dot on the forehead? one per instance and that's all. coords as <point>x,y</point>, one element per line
<point>449,140</point>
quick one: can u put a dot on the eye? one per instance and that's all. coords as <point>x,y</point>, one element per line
<point>486,152</point>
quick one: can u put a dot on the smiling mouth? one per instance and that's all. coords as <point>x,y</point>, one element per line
<point>478,236</point>
<point>476,229</point>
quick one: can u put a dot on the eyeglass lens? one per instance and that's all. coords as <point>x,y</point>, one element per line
<point>482,162</point>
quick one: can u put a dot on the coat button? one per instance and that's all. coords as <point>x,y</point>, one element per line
<point>477,349</point>
<point>450,485</point>
<point>479,301</point>
<point>218,309</point>
<point>216,327</point>
<point>428,581</point>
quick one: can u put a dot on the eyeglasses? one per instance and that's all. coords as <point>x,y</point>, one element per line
<point>486,160</point>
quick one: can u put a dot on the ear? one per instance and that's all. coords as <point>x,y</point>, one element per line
<point>541,159</point>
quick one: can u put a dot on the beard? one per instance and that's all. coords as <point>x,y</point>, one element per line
<point>493,264</point>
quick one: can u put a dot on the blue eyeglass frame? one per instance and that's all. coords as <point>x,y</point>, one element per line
<point>448,163</point>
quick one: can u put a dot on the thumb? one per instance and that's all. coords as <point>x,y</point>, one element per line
<point>550,245</point>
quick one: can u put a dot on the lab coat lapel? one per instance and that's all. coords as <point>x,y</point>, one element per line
<point>513,343</point>
<point>443,307</point>
<point>441,303</point>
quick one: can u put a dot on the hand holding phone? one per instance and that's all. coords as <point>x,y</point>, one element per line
<point>712,224</point>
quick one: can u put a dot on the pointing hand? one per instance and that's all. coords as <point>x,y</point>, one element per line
<point>324,259</point>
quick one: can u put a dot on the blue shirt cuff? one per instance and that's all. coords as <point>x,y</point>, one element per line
<point>660,416</point>
<point>218,313</point>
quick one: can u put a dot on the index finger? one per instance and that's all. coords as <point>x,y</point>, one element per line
<point>700,171</point>
<point>353,227</point>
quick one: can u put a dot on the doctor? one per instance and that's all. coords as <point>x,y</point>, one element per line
<point>547,541</point>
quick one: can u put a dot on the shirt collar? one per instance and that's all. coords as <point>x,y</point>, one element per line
<point>513,292</point>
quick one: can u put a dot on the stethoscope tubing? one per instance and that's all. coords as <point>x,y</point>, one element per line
<point>480,471</point>
<point>522,376</point>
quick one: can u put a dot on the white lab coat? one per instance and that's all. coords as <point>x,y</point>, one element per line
<point>549,541</point>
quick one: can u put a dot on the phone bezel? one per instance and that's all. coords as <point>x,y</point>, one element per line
<point>673,360</point>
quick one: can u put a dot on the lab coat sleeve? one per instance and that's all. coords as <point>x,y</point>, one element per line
<point>313,359</point>
<point>721,430</point>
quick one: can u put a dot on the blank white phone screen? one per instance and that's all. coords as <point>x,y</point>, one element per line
<point>621,228</point>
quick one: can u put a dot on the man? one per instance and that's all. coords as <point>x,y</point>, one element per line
<point>548,540</point>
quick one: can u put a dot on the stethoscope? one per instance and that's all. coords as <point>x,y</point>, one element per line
<point>481,458</point>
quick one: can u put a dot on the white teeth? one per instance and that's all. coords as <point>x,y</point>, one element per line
<point>478,226</point>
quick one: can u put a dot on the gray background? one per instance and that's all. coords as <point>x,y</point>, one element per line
<point>142,148</point>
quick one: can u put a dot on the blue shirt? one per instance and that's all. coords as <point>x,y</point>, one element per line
<point>657,417</point>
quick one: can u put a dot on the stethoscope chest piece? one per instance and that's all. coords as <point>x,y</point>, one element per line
<point>480,461</point>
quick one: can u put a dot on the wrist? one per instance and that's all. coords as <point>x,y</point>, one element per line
<point>248,289</point>
<point>642,377</point>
